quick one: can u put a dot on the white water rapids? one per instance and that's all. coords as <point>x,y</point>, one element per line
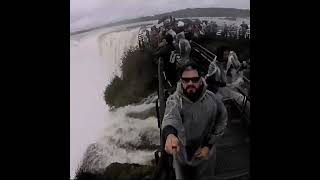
<point>98,136</point>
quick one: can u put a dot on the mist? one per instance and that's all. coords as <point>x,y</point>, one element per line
<point>92,13</point>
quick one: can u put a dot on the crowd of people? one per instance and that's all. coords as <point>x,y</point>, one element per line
<point>193,29</point>
<point>236,32</point>
<point>198,99</point>
<point>171,42</point>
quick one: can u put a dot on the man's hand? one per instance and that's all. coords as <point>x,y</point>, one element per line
<point>171,143</point>
<point>202,153</point>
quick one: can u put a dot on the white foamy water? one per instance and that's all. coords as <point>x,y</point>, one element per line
<point>94,60</point>
<point>113,45</point>
<point>120,134</point>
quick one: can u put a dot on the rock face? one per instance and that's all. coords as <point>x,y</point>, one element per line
<point>128,171</point>
<point>143,114</point>
<point>148,140</point>
<point>118,171</point>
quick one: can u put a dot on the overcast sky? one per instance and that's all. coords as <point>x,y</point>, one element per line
<point>97,12</point>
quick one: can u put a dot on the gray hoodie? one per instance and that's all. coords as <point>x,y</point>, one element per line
<point>190,120</point>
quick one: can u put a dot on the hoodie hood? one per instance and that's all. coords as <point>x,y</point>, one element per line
<point>179,90</point>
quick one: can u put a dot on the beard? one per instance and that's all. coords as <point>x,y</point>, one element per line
<point>192,92</point>
<point>191,89</point>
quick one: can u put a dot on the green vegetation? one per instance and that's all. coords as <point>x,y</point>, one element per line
<point>137,81</point>
<point>128,171</point>
<point>118,171</point>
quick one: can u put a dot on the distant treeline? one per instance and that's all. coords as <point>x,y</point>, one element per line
<point>189,12</point>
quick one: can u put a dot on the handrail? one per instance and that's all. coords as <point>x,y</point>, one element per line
<point>161,91</point>
<point>206,50</point>
<point>246,79</point>
<point>203,55</point>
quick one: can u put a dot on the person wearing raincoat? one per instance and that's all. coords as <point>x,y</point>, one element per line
<point>194,120</point>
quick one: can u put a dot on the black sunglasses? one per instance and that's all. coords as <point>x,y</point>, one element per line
<point>193,79</point>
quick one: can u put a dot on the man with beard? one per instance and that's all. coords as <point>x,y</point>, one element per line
<point>193,121</point>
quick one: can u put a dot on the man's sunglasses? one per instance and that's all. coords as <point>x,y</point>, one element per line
<point>193,79</point>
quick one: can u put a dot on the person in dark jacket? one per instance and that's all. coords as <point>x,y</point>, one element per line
<point>194,120</point>
<point>244,25</point>
<point>164,51</point>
